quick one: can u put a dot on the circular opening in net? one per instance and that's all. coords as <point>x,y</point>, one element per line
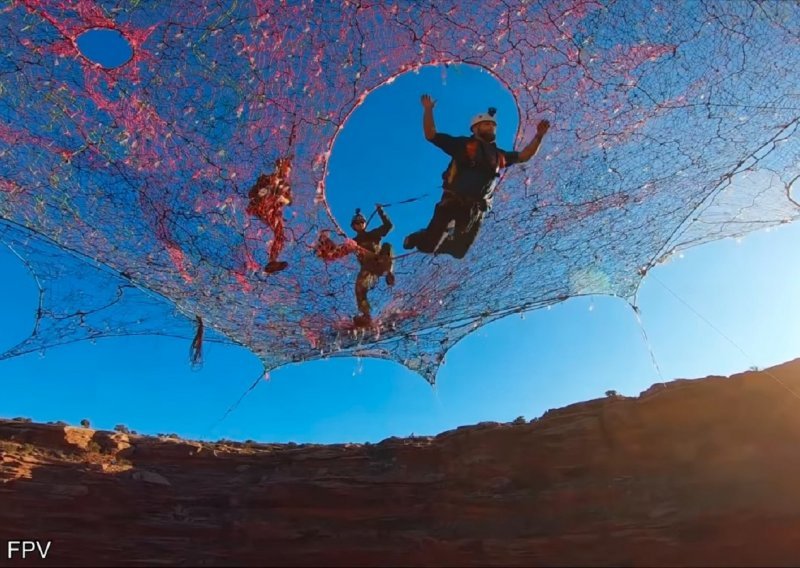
<point>106,47</point>
<point>381,154</point>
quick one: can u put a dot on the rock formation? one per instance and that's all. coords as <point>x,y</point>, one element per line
<point>699,472</point>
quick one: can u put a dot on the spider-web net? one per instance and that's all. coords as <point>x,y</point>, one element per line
<point>124,190</point>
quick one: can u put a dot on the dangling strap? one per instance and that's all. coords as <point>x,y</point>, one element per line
<point>403,202</point>
<point>196,350</point>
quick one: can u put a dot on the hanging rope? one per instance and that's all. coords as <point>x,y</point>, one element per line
<point>403,202</point>
<point>728,339</point>
<point>196,350</point>
<point>649,345</point>
<point>264,376</point>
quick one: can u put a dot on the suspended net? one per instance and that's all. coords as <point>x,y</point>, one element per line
<point>124,190</point>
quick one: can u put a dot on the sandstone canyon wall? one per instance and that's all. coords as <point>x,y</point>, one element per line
<point>690,473</point>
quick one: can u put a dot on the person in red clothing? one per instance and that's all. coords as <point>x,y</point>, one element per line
<point>270,194</point>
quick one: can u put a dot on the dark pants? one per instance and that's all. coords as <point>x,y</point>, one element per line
<point>467,216</point>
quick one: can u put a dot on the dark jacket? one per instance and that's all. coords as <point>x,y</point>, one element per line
<point>474,164</point>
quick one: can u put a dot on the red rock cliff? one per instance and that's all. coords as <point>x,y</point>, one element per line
<point>700,473</point>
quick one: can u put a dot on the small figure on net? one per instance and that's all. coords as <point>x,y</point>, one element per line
<point>270,194</point>
<point>375,259</point>
<point>467,182</point>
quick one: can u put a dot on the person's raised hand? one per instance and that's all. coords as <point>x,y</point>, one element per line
<point>427,102</point>
<point>542,127</point>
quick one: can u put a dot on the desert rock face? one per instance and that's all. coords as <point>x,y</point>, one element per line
<point>692,473</point>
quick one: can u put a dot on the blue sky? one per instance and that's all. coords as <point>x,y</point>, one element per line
<point>515,367</point>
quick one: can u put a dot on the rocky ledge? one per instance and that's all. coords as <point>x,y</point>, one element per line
<point>691,473</point>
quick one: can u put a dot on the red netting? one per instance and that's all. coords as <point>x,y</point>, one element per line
<point>674,123</point>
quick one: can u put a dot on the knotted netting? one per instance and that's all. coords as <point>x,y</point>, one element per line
<point>124,190</point>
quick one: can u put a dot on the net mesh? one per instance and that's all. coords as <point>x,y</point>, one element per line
<point>124,190</point>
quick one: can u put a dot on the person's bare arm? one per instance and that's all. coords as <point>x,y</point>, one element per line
<point>428,125</point>
<point>530,150</point>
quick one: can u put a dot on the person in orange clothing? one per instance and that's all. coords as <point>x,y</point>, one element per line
<point>270,194</point>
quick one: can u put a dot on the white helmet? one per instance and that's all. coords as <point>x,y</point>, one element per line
<point>484,116</point>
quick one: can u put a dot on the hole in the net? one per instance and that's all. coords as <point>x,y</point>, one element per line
<point>381,155</point>
<point>105,46</point>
